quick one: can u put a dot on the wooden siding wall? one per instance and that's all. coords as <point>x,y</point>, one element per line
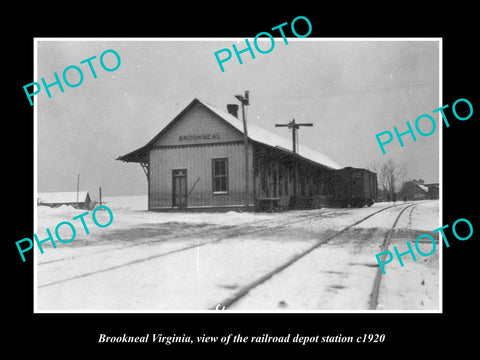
<point>197,137</point>
<point>198,162</point>
<point>274,177</point>
<point>200,123</point>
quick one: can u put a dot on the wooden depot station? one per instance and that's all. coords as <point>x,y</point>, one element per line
<point>204,160</point>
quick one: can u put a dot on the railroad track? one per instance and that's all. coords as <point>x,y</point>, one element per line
<point>227,231</point>
<point>243,291</point>
<point>258,226</point>
<point>373,303</point>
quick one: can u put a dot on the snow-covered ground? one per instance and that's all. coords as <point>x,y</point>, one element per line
<point>340,274</point>
<point>152,261</point>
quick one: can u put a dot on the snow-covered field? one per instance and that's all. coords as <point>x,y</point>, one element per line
<point>153,261</point>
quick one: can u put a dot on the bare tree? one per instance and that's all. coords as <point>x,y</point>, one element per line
<point>393,172</point>
<point>389,174</point>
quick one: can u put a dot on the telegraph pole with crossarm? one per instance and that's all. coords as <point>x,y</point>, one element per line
<point>294,126</point>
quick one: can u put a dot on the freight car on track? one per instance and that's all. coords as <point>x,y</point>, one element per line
<point>353,187</point>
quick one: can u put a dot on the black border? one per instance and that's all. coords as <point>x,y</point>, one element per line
<point>407,334</point>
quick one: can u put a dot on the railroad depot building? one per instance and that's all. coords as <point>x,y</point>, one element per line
<point>198,162</point>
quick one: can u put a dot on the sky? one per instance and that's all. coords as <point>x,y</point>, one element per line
<point>349,89</point>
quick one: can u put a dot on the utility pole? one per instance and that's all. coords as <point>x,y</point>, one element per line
<point>245,101</point>
<point>294,126</point>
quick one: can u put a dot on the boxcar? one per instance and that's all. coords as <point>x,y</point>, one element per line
<point>353,187</point>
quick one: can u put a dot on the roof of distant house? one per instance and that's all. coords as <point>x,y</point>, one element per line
<point>423,187</point>
<point>63,197</point>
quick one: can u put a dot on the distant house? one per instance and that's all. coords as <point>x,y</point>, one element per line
<point>433,190</point>
<point>414,190</point>
<point>55,199</point>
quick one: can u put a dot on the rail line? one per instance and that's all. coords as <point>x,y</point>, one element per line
<point>231,229</point>
<point>374,296</point>
<point>373,304</point>
<point>145,242</point>
<point>232,233</point>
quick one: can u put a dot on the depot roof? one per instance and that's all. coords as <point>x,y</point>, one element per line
<point>255,133</point>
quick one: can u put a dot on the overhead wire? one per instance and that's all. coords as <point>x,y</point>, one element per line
<point>91,132</point>
<point>352,92</point>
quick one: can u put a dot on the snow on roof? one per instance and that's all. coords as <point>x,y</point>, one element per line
<point>62,197</point>
<point>266,137</point>
<point>423,187</point>
<point>255,133</point>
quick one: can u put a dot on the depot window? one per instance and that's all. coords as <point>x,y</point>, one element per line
<point>220,176</point>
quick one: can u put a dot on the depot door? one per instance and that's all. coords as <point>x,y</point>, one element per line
<point>179,188</point>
